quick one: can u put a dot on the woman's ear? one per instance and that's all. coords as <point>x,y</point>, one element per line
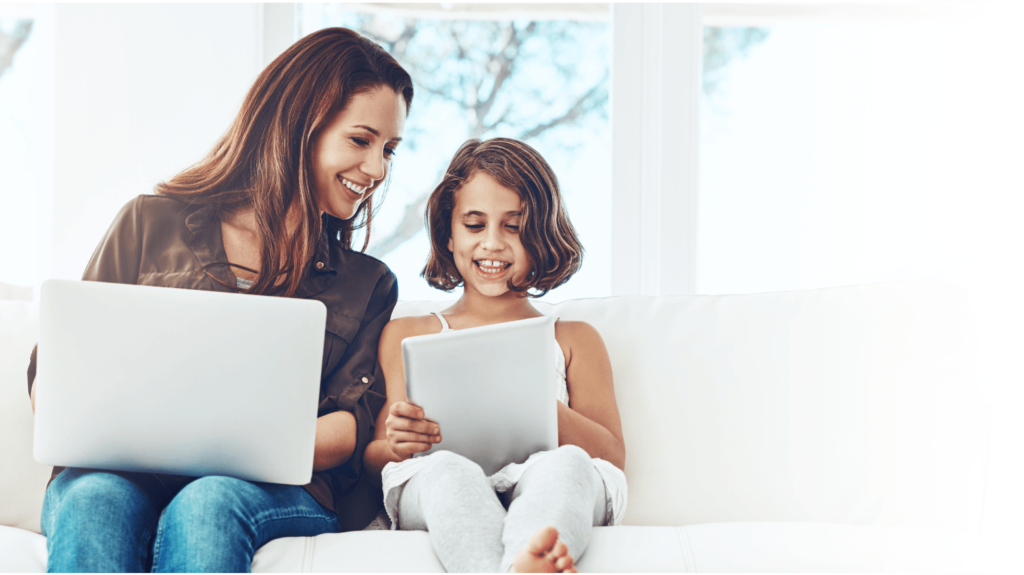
<point>451,245</point>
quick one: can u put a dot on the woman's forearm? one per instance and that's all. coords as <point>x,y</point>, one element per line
<point>594,438</point>
<point>378,454</point>
<point>335,440</point>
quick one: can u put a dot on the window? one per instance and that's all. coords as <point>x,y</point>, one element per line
<point>532,76</point>
<point>25,144</point>
<point>833,149</point>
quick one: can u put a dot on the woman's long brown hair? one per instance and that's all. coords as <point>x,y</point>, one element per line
<point>264,160</point>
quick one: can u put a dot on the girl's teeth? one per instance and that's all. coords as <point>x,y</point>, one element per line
<point>491,267</point>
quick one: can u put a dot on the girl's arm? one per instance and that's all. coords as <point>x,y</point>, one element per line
<point>593,420</point>
<point>401,427</point>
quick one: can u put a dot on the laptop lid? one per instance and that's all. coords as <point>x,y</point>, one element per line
<point>492,389</point>
<point>186,382</point>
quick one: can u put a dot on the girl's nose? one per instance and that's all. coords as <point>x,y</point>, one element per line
<point>492,239</point>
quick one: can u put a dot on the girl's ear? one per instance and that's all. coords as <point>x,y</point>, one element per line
<point>451,245</point>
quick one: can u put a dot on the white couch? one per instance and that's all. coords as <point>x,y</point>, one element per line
<point>826,430</point>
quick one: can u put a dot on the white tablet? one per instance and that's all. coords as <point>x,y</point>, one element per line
<point>187,382</point>
<point>492,389</point>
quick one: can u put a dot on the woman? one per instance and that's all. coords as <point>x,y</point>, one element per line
<point>270,210</point>
<point>498,228</point>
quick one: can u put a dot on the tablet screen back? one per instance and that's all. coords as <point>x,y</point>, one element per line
<point>492,389</point>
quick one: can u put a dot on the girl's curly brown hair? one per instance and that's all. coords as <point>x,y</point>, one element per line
<point>545,229</point>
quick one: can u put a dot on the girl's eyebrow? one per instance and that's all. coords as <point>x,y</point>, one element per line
<point>478,213</point>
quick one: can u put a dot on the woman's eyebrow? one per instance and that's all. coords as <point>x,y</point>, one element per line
<point>375,132</point>
<point>368,129</point>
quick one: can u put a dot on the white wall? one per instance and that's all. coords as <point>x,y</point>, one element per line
<point>142,91</point>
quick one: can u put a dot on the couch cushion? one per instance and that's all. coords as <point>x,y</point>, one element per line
<point>21,551</point>
<point>22,480</point>
<point>10,292</point>
<point>721,547</point>
<point>851,405</point>
<point>710,548</point>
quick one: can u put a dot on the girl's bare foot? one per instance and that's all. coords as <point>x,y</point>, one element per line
<point>544,553</point>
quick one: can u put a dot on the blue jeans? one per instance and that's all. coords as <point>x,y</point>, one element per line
<point>101,521</point>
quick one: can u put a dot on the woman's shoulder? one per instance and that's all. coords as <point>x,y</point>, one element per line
<point>153,207</point>
<point>159,203</point>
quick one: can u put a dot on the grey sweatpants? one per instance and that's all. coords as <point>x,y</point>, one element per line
<point>469,527</point>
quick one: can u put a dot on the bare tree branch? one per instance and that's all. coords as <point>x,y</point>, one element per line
<point>577,110</point>
<point>501,120</point>
<point>505,63</point>
<point>441,94</point>
<point>11,42</point>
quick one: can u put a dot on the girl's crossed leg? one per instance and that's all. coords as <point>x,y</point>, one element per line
<point>471,531</point>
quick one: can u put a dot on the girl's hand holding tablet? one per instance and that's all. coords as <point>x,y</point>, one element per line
<point>408,430</point>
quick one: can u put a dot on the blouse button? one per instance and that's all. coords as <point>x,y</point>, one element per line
<point>319,265</point>
<point>366,380</point>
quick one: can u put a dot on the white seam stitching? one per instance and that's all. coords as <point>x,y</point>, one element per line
<point>689,560</point>
<point>307,566</point>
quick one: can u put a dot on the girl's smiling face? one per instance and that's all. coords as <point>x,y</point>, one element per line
<point>485,241</point>
<point>353,154</point>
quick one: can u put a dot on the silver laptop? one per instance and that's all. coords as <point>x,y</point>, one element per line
<point>492,389</point>
<point>185,382</point>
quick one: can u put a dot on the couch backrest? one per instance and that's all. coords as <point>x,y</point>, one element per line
<point>847,405</point>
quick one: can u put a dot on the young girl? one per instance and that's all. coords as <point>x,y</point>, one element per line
<point>498,228</point>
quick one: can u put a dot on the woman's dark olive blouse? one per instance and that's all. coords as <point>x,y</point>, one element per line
<point>164,241</point>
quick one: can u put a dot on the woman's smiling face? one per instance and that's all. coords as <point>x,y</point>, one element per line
<point>485,239</point>
<point>353,154</point>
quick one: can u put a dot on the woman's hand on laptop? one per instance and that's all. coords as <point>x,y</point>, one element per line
<point>408,430</point>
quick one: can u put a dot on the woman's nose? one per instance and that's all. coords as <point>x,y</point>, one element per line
<point>373,165</point>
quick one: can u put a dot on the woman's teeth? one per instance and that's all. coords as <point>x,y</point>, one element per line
<point>491,266</point>
<point>357,189</point>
